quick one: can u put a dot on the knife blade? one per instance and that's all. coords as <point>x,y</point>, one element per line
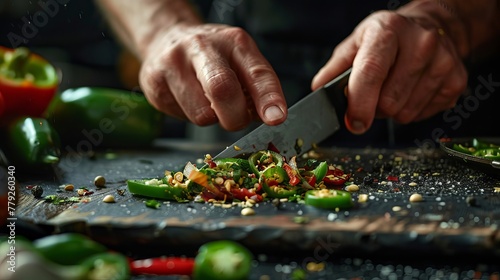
<point>310,121</point>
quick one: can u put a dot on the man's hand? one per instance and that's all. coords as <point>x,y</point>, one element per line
<point>404,68</point>
<point>211,73</point>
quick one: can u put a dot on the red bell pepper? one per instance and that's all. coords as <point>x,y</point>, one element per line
<point>28,82</point>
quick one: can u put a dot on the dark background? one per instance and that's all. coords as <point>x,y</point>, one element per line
<point>79,42</point>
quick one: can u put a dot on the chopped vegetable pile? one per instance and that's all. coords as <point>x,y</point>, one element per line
<point>263,175</point>
<point>479,148</point>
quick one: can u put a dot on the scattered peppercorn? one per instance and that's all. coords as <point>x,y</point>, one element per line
<point>99,181</point>
<point>471,201</point>
<point>37,191</point>
<point>368,180</point>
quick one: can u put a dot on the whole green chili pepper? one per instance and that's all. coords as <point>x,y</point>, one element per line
<point>104,117</point>
<point>32,143</point>
<point>32,263</point>
<point>67,248</point>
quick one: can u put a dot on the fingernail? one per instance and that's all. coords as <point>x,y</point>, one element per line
<point>273,113</point>
<point>358,127</point>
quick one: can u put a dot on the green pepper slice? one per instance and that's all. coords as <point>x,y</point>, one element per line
<point>261,160</point>
<point>274,181</point>
<point>221,260</point>
<point>488,153</point>
<point>111,266</point>
<point>464,149</point>
<point>320,171</point>
<point>157,188</point>
<point>328,199</point>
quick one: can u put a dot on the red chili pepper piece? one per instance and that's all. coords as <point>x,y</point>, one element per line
<point>294,178</point>
<point>335,177</point>
<point>311,180</point>
<point>392,178</point>
<point>162,266</point>
<point>243,193</point>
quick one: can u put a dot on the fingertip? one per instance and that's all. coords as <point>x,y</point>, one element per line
<point>274,115</point>
<point>356,127</point>
<point>317,80</point>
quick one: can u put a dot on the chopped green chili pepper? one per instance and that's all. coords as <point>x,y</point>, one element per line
<point>152,204</point>
<point>328,199</point>
<point>227,179</point>
<point>158,188</point>
<point>464,149</point>
<point>479,148</point>
<point>105,117</point>
<point>261,160</point>
<point>221,260</point>
<point>320,171</point>
<point>274,181</point>
<point>488,153</point>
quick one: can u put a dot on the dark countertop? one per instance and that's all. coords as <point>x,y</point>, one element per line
<point>452,234</point>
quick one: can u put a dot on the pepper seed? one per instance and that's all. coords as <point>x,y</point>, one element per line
<point>352,188</point>
<point>247,211</point>
<point>108,199</point>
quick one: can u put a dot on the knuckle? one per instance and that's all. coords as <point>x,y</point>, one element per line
<point>203,116</point>
<point>261,73</point>
<point>388,104</point>
<point>239,35</point>
<point>372,71</point>
<point>221,84</point>
<point>426,46</point>
<point>197,42</point>
<point>156,89</point>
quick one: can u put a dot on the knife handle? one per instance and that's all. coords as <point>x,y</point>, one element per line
<point>337,90</point>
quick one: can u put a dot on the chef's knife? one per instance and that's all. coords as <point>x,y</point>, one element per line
<point>310,121</point>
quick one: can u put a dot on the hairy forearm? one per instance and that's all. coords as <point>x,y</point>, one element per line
<point>470,24</point>
<point>137,22</point>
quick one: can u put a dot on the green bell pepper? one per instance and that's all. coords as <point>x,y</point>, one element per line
<point>104,117</point>
<point>32,143</point>
<point>221,260</point>
<point>328,199</point>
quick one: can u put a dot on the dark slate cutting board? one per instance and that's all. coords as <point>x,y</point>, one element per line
<point>460,213</point>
